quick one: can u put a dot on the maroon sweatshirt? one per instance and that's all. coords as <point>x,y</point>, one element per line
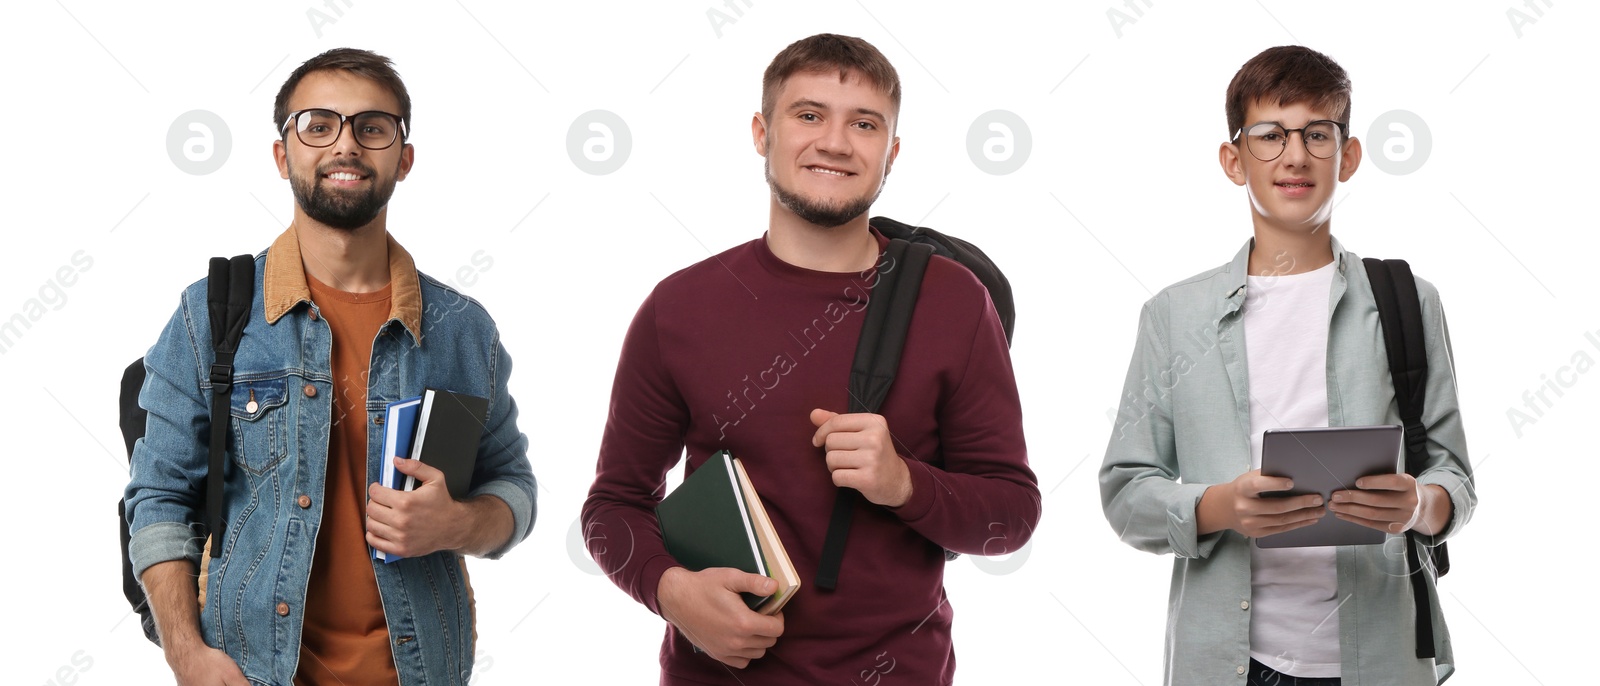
<point>733,353</point>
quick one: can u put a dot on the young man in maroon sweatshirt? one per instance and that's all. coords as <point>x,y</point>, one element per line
<point>750,352</point>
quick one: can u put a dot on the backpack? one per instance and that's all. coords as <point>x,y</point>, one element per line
<point>967,254</point>
<point>883,336</point>
<point>1394,288</point>
<point>230,287</point>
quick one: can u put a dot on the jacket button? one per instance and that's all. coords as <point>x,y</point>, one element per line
<point>1243,604</point>
<point>377,419</point>
<point>310,390</point>
<point>283,611</point>
<point>303,501</point>
<point>313,315</point>
<point>1240,670</point>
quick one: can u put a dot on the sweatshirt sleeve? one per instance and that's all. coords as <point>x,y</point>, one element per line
<point>982,499</point>
<point>643,439</point>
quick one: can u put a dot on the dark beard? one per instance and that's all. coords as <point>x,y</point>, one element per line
<point>817,212</point>
<point>348,210</point>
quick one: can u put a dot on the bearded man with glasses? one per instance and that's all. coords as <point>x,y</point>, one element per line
<point>341,323</point>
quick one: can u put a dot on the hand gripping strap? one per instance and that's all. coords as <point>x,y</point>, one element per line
<point>883,337</point>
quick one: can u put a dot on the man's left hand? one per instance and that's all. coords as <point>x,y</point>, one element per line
<point>1391,503</point>
<point>861,455</point>
<point>417,522</point>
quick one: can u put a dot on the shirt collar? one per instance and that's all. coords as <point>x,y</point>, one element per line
<point>1239,269</point>
<point>285,286</point>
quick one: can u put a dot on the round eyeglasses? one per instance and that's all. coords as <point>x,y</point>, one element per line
<point>373,130</point>
<point>1267,140</point>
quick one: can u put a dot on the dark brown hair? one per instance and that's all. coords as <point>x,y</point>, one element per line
<point>826,52</point>
<point>364,63</point>
<point>1289,75</point>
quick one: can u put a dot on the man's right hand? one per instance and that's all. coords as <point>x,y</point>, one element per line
<point>1238,505</point>
<point>198,664</point>
<point>706,607</point>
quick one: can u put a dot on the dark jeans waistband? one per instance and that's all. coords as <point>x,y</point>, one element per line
<point>1262,675</point>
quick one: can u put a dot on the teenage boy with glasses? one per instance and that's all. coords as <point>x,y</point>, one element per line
<point>341,323</point>
<point>1284,336</point>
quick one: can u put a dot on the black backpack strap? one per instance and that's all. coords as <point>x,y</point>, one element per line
<point>883,338</point>
<point>229,289</point>
<point>1394,288</point>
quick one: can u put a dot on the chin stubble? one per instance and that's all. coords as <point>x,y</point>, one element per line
<point>828,215</point>
<point>341,210</point>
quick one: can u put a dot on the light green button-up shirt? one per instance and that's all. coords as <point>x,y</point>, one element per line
<point>1184,424</point>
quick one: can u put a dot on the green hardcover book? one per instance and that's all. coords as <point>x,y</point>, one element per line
<point>706,522</point>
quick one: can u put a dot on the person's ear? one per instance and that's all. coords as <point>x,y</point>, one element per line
<point>758,132</point>
<point>1349,159</point>
<point>408,155</point>
<point>894,152</point>
<point>280,154</point>
<point>1232,165</point>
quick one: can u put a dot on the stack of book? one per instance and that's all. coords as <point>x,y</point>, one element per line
<point>440,428</point>
<point>716,519</point>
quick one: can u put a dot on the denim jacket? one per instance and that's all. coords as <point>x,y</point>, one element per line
<point>282,405</point>
<point>1184,424</point>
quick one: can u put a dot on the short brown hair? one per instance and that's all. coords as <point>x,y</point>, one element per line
<point>826,52</point>
<point>364,63</point>
<point>1289,75</point>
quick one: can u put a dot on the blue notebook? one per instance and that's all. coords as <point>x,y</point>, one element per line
<point>400,427</point>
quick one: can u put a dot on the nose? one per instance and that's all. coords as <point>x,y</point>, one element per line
<point>835,139</point>
<point>345,143</point>
<point>1294,150</point>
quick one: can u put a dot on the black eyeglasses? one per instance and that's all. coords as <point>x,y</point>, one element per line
<point>1267,140</point>
<point>319,128</point>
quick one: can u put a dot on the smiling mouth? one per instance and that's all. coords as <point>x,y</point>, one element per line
<point>1295,185</point>
<point>825,170</point>
<point>343,176</point>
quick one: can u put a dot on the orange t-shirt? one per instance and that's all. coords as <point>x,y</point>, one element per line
<point>346,640</point>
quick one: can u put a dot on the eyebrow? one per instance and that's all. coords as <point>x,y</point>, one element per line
<point>1280,124</point>
<point>805,103</point>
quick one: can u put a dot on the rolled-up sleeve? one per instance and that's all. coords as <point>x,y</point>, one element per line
<point>168,467</point>
<point>502,469</point>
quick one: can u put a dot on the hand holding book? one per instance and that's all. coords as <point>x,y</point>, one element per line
<point>416,522</point>
<point>706,608</point>
<point>412,509</point>
<point>715,526</point>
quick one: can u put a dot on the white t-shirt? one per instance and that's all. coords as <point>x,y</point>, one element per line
<point>1294,604</point>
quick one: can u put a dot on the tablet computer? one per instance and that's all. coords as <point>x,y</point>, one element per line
<point>1324,460</point>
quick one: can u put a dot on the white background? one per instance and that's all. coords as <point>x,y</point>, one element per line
<point>1121,195</point>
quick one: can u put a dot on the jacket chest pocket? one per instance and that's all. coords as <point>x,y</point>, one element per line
<point>260,427</point>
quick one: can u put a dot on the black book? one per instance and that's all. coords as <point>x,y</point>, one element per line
<point>449,427</point>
